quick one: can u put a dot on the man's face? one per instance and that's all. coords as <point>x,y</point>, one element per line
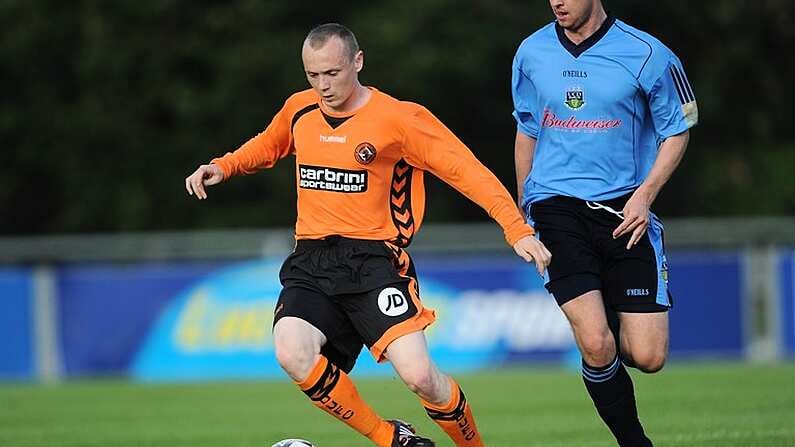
<point>572,14</point>
<point>331,72</point>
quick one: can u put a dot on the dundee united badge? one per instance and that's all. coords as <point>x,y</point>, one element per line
<point>364,153</point>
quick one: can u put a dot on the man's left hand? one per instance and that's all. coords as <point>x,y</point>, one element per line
<point>636,218</point>
<point>532,250</point>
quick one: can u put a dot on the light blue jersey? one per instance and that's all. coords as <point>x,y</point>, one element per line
<point>598,110</point>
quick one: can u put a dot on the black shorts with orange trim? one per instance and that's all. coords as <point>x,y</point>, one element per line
<point>356,292</point>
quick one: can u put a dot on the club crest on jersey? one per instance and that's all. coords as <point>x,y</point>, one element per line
<point>364,153</point>
<point>575,98</point>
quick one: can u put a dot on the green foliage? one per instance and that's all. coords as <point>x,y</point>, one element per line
<point>107,106</point>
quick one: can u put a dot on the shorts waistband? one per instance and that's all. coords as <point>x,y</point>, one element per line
<point>616,202</point>
<point>331,241</point>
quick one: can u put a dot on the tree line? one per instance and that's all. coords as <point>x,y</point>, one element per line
<point>107,106</point>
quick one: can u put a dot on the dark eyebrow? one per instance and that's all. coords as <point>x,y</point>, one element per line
<point>325,72</point>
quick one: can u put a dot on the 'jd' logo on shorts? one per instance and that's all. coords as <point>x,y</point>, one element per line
<point>392,302</point>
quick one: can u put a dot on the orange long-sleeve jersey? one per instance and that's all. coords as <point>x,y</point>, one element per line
<point>361,175</point>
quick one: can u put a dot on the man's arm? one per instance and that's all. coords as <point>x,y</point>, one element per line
<point>524,149</point>
<point>260,152</point>
<point>429,145</point>
<point>674,110</point>
<point>636,210</point>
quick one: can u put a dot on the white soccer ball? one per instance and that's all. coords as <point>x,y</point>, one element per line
<point>293,443</point>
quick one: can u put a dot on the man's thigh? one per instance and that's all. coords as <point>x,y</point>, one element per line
<point>586,314</point>
<point>636,289</point>
<point>342,343</point>
<point>644,338</point>
<point>635,280</point>
<point>408,353</point>
<point>386,313</point>
<point>576,266</point>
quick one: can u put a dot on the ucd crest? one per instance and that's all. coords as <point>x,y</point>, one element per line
<point>575,98</point>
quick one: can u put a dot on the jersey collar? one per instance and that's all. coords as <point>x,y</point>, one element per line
<point>577,50</point>
<point>336,119</point>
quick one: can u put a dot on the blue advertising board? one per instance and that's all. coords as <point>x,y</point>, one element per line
<point>706,318</point>
<point>787,303</point>
<point>106,310</point>
<point>491,310</point>
<point>176,321</point>
<point>220,327</point>
<point>16,332</point>
<point>205,320</point>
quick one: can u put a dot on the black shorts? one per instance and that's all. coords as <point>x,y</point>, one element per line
<point>585,256</point>
<point>355,292</point>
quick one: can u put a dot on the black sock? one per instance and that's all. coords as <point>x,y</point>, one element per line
<point>613,396</point>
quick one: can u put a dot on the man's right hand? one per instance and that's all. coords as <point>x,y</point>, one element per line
<point>205,175</point>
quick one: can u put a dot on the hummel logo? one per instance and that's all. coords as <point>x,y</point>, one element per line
<point>333,139</point>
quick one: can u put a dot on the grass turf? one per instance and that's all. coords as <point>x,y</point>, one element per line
<point>715,404</point>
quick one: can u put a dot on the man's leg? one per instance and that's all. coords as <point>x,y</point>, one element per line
<point>298,346</point>
<point>644,340</point>
<point>605,377</point>
<point>441,396</point>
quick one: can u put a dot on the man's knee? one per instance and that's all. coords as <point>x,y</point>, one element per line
<point>648,361</point>
<point>296,349</point>
<point>598,348</point>
<point>421,380</point>
<point>296,361</point>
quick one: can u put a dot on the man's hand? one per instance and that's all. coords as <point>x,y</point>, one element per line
<point>532,250</point>
<point>205,175</point>
<point>636,218</point>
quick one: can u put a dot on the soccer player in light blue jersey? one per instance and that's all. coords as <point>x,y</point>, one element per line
<point>603,114</point>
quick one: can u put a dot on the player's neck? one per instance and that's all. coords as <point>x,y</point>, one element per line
<point>590,26</point>
<point>357,100</point>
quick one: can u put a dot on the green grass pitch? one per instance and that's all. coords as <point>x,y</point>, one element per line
<point>706,404</point>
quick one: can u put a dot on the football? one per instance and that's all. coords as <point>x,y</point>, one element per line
<point>293,443</point>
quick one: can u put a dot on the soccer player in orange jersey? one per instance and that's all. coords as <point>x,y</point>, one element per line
<point>360,159</point>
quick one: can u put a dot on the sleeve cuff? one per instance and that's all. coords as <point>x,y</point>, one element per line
<point>673,131</point>
<point>225,168</point>
<point>527,130</point>
<point>517,232</point>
